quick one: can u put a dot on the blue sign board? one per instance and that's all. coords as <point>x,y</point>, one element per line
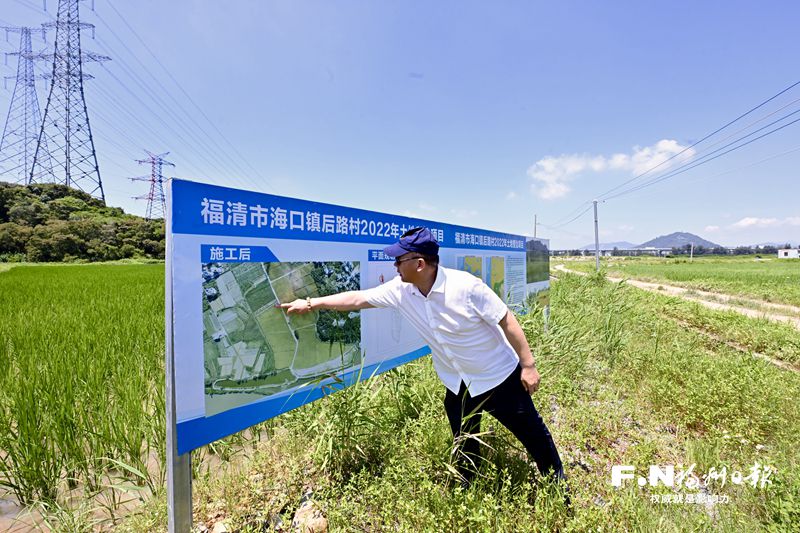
<point>235,256</point>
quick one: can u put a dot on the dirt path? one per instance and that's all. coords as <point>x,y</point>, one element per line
<point>697,296</point>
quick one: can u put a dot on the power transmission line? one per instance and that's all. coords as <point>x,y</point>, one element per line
<point>573,219</point>
<point>198,135</point>
<point>695,165</point>
<point>559,230</point>
<point>230,161</point>
<point>187,95</point>
<point>156,204</point>
<point>753,123</point>
<point>696,162</point>
<point>65,136</point>
<point>749,165</point>
<point>760,105</point>
<point>21,130</point>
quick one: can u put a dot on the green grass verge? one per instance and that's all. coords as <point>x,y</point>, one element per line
<point>621,385</point>
<point>763,278</point>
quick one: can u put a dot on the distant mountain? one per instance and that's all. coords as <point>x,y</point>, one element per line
<point>677,240</point>
<point>622,245</point>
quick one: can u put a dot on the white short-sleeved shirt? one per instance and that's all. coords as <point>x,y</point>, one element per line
<point>459,321</point>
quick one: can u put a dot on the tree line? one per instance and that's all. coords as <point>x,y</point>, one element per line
<point>719,250</point>
<point>52,222</point>
<point>698,250</point>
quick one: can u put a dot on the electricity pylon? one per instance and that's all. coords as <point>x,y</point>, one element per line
<point>24,120</point>
<point>156,204</point>
<point>65,136</point>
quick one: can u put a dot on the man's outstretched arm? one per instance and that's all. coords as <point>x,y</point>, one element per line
<point>516,337</point>
<point>344,301</point>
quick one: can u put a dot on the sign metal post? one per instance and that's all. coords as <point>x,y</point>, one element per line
<point>179,470</point>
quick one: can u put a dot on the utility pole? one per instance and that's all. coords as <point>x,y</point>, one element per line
<point>596,240</point>
<point>156,204</point>
<point>66,135</point>
<point>535,224</point>
<point>20,133</point>
<point>691,253</point>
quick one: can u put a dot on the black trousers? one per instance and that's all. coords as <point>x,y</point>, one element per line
<point>511,405</point>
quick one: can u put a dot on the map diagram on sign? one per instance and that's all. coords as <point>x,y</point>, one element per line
<point>472,264</point>
<point>496,275</point>
<point>253,349</point>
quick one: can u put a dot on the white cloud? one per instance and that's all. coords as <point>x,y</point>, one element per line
<point>512,195</point>
<point>551,175</point>
<point>625,227</point>
<point>422,210</point>
<point>463,213</point>
<point>756,222</point>
<point>711,229</point>
<point>644,159</point>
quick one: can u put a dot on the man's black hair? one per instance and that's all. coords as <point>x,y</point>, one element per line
<point>432,260</point>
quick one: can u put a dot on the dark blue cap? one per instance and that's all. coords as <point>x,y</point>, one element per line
<point>417,240</point>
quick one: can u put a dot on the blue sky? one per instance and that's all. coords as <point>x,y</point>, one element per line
<point>473,113</point>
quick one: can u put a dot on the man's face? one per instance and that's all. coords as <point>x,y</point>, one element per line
<point>406,265</point>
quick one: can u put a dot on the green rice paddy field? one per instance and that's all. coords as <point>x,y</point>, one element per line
<point>764,278</point>
<point>628,378</point>
<point>82,380</point>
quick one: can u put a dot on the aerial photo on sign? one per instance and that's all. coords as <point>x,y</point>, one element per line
<point>472,264</point>
<point>493,273</point>
<point>537,261</point>
<point>496,275</point>
<point>252,349</point>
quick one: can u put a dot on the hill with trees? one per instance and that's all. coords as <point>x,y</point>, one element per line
<point>679,239</point>
<point>50,222</point>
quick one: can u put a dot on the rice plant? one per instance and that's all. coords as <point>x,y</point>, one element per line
<point>82,349</point>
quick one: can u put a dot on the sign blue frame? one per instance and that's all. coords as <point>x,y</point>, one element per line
<point>210,227</point>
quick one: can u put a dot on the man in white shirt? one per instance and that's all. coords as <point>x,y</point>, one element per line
<point>479,349</point>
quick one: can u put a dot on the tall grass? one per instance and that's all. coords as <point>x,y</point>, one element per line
<point>768,279</point>
<point>621,384</point>
<point>781,277</point>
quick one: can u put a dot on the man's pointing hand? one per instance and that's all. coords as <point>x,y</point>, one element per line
<point>301,305</point>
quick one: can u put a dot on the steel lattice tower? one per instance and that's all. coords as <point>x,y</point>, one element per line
<point>65,136</point>
<point>24,120</point>
<point>156,204</point>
